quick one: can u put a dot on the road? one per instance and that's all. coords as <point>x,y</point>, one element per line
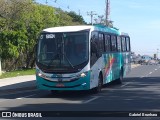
<point>140,91</point>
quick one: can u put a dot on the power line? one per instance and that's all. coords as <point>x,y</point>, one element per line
<point>68,7</point>
<point>58,4</point>
<point>61,6</point>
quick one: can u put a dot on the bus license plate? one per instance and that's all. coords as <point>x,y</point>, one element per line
<point>60,85</point>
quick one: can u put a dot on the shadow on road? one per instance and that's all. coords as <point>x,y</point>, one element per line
<point>18,87</point>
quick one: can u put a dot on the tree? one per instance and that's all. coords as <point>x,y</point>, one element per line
<point>39,17</point>
<point>20,25</point>
<point>76,18</point>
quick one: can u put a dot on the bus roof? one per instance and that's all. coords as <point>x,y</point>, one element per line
<point>68,28</point>
<point>107,29</point>
<point>82,27</point>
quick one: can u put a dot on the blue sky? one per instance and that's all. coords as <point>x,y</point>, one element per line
<point>139,18</point>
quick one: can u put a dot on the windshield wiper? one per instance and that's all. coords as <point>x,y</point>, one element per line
<point>68,61</point>
<point>58,56</point>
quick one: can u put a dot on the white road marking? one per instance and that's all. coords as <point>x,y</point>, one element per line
<point>25,96</point>
<point>150,73</point>
<point>155,69</point>
<point>125,84</point>
<point>96,97</point>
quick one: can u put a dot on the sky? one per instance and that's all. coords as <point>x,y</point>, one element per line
<point>139,18</point>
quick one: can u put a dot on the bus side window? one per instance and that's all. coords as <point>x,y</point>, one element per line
<point>123,44</point>
<point>114,43</point>
<point>101,44</point>
<point>119,43</point>
<point>94,47</point>
<point>128,44</point>
<point>107,43</point>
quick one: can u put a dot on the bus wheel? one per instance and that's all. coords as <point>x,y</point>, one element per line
<point>119,80</point>
<point>99,87</point>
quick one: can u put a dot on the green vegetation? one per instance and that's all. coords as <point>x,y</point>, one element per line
<point>17,73</point>
<point>21,21</point>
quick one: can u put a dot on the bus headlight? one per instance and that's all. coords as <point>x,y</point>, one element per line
<point>83,75</point>
<point>41,75</point>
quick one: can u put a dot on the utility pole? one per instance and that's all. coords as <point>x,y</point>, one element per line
<point>91,14</point>
<point>107,11</point>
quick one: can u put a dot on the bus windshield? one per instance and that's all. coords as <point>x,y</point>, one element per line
<point>63,52</point>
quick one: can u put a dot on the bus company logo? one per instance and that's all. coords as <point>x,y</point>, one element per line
<point>59,76</point>
<point>109,65</point>
<point>59,79</point>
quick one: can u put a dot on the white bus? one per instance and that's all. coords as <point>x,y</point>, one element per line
<point>81,57</point>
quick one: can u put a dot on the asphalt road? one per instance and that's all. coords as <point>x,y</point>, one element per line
<point>139,92</point>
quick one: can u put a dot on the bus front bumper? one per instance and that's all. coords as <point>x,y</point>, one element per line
<point>81,83</point>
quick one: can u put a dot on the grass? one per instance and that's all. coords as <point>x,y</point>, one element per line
<point>17,73</point>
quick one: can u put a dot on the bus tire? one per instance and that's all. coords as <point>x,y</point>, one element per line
<point>120,79</point>
<point>100,84</point>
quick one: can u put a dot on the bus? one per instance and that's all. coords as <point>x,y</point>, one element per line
<point>81,57</point>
